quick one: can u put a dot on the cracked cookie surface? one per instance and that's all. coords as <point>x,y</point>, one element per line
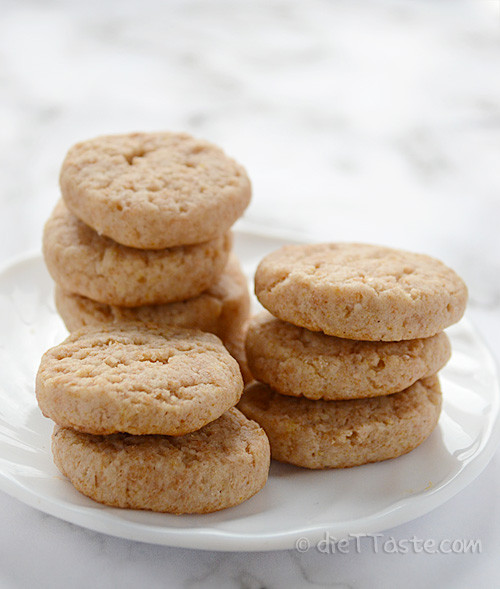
<point>218,466</point>
<point>360,291</point>
<point>341,434</point>
<point>301,363</point>
<point>140,380</point>
<point>83,262</point>
<point>154,190</point>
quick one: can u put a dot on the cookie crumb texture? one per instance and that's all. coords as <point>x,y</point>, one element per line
<point>82,262</point>
<point>219,466</point>
<point>301,363</point>
<point>341,434</point>
<point>360,291</point>
<point>138,380</point>
<point>154,190</point>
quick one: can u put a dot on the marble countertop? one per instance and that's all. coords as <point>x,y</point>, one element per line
<point>372,121</point>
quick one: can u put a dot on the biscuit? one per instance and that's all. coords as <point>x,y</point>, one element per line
<point>235,344</point>
<point>359,291</point>
<point>341,434</point>
<point>298,362</point>
<point>219,466</point>
<point>138,380</point>
<point>154,190</point>
<point>224,307</point>
<point>232,289</point>
<point>83,262</point>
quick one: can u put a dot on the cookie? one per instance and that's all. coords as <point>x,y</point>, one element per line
<point>235,344</point>
<point>232,290</point>
<point>82,262</point>
<point>224,307</point>
<point>341,434</point>
<point>298,362</point>
<point>360,291</point>
<point>154,190</point>
<point>137,379</point>
<point>219,466</point>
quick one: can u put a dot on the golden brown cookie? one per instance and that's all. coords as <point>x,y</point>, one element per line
<point>225,306</point>
<point>301,363</point>
<point>83,262</point>
<point>137,379</point>
<point>154,190</point>
<point>219,466</point>
<point>340,434</point>
<point>360,291</point>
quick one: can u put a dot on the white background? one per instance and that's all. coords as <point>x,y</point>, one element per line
<point>374,121</point>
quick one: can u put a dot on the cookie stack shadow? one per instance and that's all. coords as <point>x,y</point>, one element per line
<point>143,396</point>
<point>346,359</point>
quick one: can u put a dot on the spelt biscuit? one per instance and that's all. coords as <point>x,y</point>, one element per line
<point>340,434</point>
<point>359,291</point>
<point>224,307</point>
<point>219,466</point>
<point>83,262</point>
<point>298,362</point>
<point>232,289</point>
<point>154,190</point>
<point>137,379</point>
<point>235,344</point>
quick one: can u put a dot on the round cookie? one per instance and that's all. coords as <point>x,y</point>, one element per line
<point>224,307</point>
<point>137,379</point>
<point>298,362</point>
<point>83,262</point>
<point>154,190</point>
<point>341,434</point>
<point>219,466</point>
<point>360,291</point>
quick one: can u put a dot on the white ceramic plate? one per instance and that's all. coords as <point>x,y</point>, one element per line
<point>296,503</point>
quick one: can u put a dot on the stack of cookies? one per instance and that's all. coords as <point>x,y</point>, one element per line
<point>146,419</point>
<point>143,235</point>
<point>140,250</point>
<point>347,359</point>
